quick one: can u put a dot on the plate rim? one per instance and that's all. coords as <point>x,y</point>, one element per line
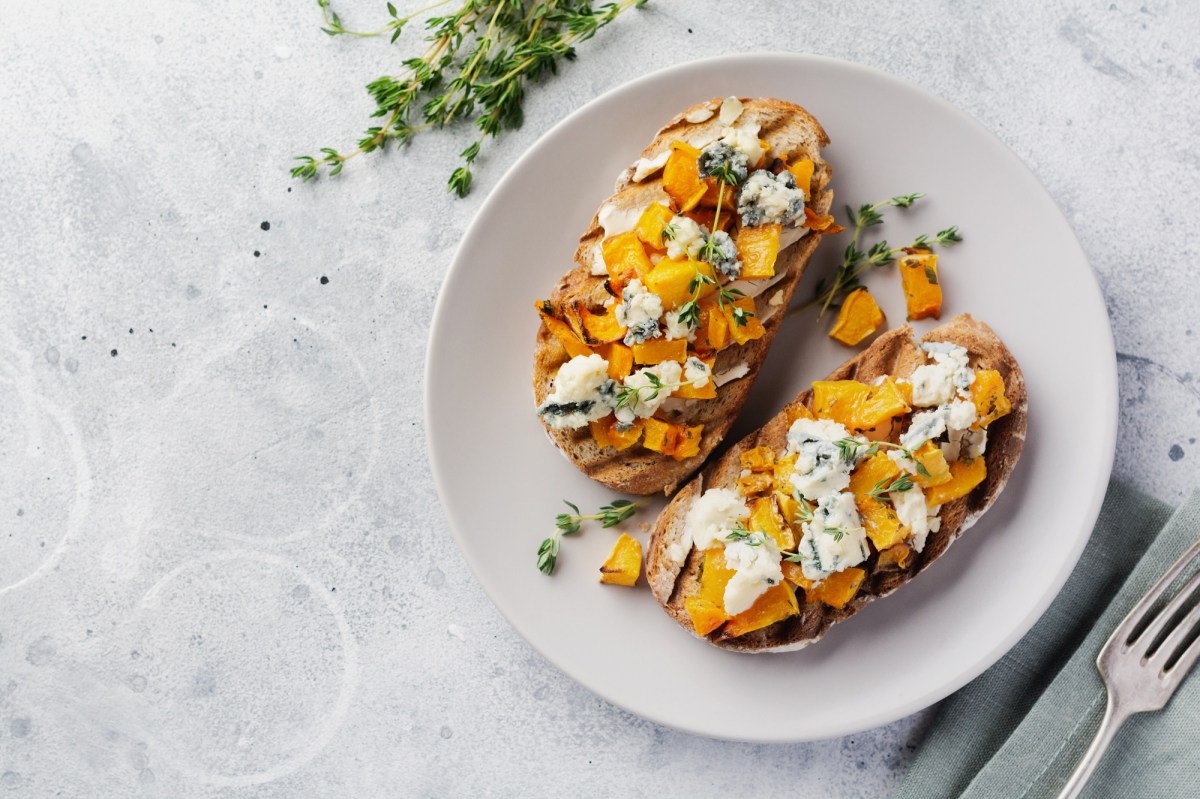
<point>1087,517</point>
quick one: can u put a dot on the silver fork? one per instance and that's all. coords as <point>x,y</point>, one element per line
<point>1137,679</point>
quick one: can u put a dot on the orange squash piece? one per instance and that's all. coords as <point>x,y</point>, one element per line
<point>681,177</point>
<point>964,476</point>
<point>599,428</point>
<point>922,290</point>
<point>879,518</point>
<point>750,327</point>
<point>837,589</point>
<point>859,317</point>
<point>839,399</point>
<point>572,343</point>
<point>713,191</point>
<point>671,280</point>
<point>620,359</point>
<point>705,616</point>
<point>775,604</point>
<point>657,350</point>
<point>930,456</point>
<point>884,402</point>
<point>894,557</point>
<point>755,483</point>
<point>624,253</point>
<point>794,574</point>
<point>650,224</point>
<point>706,391</point>
<point>758,247</point>
<point>624,564</point>
<point>707,606</point>
<point>758,459</point>
<point>764,518</point>
<point>624,439</point>
<point>714,326</point>
<point>601,328</point>
<point>802,171</point>
<point>660,435</point>
<point>987,392</point>
<point>688,443</point>
<point>708,217</point>
<point>798,410</point>
<point>820,224</point>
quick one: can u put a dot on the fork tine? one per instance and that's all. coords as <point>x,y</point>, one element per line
<point>1146,639</point>
<point>1186,626</point>
<point>1185,662</point>
<point>1125,628</point>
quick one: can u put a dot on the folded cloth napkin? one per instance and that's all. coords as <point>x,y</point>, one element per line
<point>1019,729</point>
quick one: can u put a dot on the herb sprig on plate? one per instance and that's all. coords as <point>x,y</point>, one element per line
<point>479,61</point>
<point>610,515</point>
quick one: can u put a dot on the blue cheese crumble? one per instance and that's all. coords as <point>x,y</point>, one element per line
<point>820,469</point>
<point>723,255</point>
<point>770,199</point>
<point>639,312</point>
<point>720,157</point>
<point>647,397</point>
<point>583,392</point>
<point>834,540</point>
<point>685,237</point>
<point>696,372</point>
<point>757,566</point>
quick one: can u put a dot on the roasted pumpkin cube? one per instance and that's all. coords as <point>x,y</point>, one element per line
<point>661,436</point>
<point>859,317</point>
<point>706,391</point>
<point>782,471</point>
<point>714,577</point>
<point>765,518</point>
<point>657,350</point>
<point>758,247</point>
<point>744,324</point>
<point>930,456</point>
<point>837,589</point>
<point>987,392</point>
<point>623,254</point>
<point>705,616</point>
<point>790,508</point>
<point>775,604</point>
<point>818,223</point>
<point>964,476</point>
<point>758,459</point>
<point>681,177</point>
<point>624,439</point>
<point>754,484</point>
<point>714,326</point>
<point>798,410</point>
<point>624,563</point>
<point>894,558</point>
<point>672,281</point>
<point>571,342</point>
<point>601,328</point>
<point>839,400</point>
<point>620,359</point>
<point>885,401</point>
<point>922,291</point>
<point>688,443</point>
<point>650,224</point>
<point>802,171</point>
<point>879,518</point>
<point>794,574</point>
<point>708,217</point>
<point>714,191</point>
<point>599,429</point>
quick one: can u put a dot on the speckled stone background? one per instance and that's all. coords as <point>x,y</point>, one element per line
<point>223,568</point>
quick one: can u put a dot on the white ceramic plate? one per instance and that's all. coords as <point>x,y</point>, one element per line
<point>1020,269</point>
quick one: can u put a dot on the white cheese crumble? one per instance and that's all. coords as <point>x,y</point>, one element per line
<point>599,267</point>
<point>933,384</point>
<point>954,359</point>
<point>645,167</point>
<point>649,397</point>
<point>911,510</point>
<point>712,516</point>
<point>756,566</point>
<point>776,298</point>
<point>732,373</point>
<point>933,524</point>
<point>834,540</point>
<point>770,199</point>
<point>696,372</point>
<point>677,329</point>
<point>925,426</point>
<point>731,109</point>
<point>820,469</point>
<point>639,311</point>
<point>582,393</point>
<point>688,238</point>
<point>744,141</point>
<point>702,114</point>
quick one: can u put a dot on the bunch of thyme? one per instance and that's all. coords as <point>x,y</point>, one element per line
<point>476,66</point>
<point>830,293</point>
<point>610,515</point>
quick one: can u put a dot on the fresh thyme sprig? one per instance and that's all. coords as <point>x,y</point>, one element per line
<point>477,65</point>
<point>883,487</point>
<point>848,449</point>
<point>610,515</point>
<point>855,261</point>
<point>748,537</point>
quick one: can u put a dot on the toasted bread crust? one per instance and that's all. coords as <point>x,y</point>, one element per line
<point>895,353</point>
<point>791,131</point>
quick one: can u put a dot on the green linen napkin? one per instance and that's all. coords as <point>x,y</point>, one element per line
<point>1019,729</point>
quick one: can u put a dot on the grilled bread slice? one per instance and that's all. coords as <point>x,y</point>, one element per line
<point>674,575</point>
<point>793,134</point>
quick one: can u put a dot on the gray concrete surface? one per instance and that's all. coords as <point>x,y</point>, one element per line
<point>223,568</point>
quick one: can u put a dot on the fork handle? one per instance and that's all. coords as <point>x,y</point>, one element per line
<point>1114,717</point>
